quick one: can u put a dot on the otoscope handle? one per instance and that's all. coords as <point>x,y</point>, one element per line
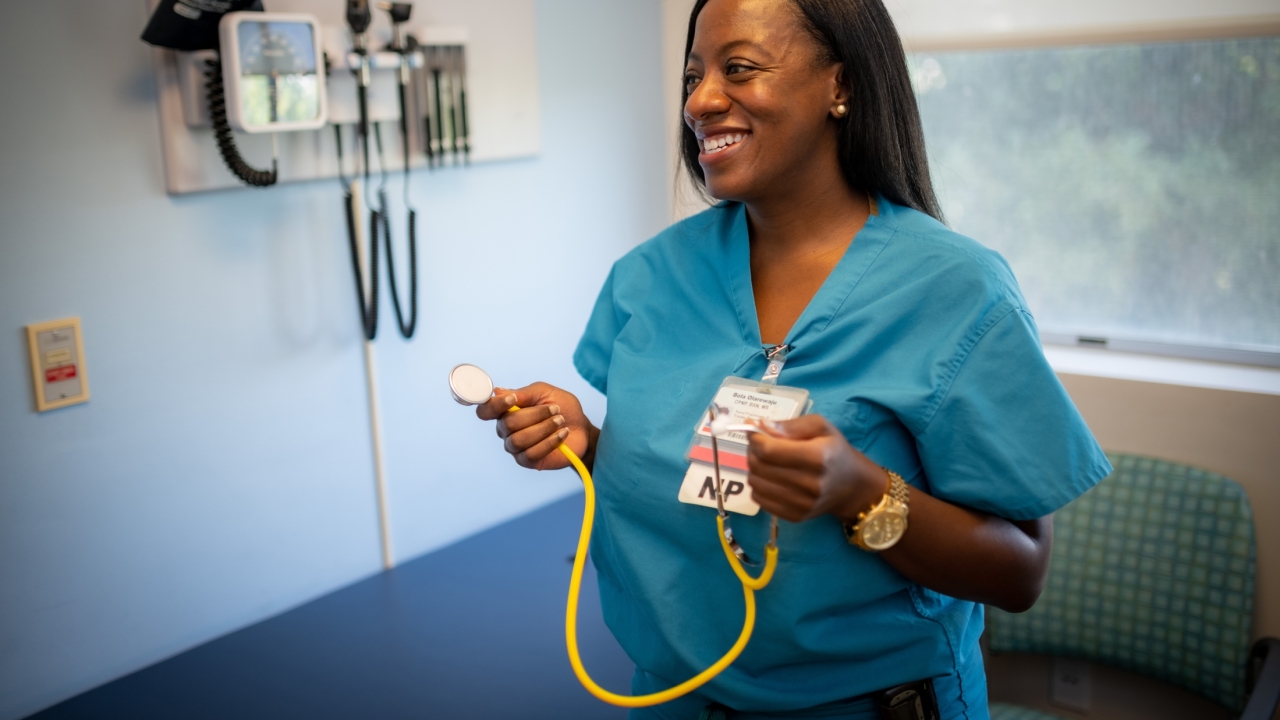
<point>404,116</point>
<point>362,93</point>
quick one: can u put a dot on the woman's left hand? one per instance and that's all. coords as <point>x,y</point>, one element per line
<point>800,469</point>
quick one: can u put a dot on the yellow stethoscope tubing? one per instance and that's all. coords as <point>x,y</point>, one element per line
<point>749,586</point>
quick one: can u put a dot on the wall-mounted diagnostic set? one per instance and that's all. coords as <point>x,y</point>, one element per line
<point>245,70</point>
<point>354,90</point>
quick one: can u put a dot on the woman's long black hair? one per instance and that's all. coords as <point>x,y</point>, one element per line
<point>881,140</point>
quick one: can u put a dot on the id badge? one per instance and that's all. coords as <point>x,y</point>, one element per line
<point>743,400</point>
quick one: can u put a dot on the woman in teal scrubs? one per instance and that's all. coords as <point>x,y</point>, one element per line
<point>913,341</point>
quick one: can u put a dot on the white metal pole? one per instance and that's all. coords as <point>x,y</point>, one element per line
<point>371,376</point>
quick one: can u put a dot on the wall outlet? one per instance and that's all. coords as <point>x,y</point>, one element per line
<point>1069,684</point>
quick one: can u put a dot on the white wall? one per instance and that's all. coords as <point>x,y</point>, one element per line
<point>222,472</point>
<point>684,199</point>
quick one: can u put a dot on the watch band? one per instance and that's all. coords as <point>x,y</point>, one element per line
<point>898,489</point>
<point>894,501</point>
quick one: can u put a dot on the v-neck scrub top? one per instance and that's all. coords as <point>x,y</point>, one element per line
<point>920,349</point>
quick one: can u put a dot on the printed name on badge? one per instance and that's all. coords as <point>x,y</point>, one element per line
<point>744,404</point>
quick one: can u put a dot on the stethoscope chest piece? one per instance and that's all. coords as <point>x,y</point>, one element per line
<point>470,385</point>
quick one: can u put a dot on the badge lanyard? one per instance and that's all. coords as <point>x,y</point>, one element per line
<point>717,474</point>
<point>777,357</point>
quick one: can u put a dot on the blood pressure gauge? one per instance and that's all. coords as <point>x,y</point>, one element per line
<point>272,68</point>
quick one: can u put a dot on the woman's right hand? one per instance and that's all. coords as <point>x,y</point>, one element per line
<point>547,417</point>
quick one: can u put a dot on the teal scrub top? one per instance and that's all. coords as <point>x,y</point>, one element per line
<point>919,347</point>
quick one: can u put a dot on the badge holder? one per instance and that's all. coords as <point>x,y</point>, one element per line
<point>717,474</point>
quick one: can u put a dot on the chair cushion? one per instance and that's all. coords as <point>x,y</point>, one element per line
<point>1152,571</point>
<point>1005,711</point>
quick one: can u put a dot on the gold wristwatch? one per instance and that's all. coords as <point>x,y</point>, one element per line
<point>881,527</point>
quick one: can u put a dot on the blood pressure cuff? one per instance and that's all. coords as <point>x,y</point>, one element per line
<point>191,24</point>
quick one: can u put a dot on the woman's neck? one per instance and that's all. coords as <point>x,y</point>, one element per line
<point>797,239</point>
<point>816,213</point>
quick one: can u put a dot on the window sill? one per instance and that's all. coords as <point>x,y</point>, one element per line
<point>1157,369</point>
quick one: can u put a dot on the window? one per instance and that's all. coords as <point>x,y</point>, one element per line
<point>1135,189</point>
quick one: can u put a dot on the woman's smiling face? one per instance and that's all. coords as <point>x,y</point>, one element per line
<point>761,97</point>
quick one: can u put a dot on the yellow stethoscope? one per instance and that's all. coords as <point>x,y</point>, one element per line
<point>472,386</point>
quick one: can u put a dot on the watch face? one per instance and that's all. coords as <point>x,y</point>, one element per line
<point>883,529</point>
<point>278,80</point>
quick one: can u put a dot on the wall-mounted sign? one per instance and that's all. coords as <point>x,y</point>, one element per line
<point>57,364</point>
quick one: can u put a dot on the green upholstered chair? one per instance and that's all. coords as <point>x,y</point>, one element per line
<point>1152,572</point>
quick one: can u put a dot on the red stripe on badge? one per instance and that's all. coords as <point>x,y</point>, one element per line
<point>730,460</point>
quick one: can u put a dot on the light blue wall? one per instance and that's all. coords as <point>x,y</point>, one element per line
<point>222,471</point>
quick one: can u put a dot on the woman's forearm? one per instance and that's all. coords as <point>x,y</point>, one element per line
<point>971,555</point>
<point>800,469</point>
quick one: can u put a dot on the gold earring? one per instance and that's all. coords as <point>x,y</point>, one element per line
<point>841,109</point>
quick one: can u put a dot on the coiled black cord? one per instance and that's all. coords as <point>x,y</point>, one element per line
<point>380,219</point>
<point>368,310</point>
<point>222,131</point>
